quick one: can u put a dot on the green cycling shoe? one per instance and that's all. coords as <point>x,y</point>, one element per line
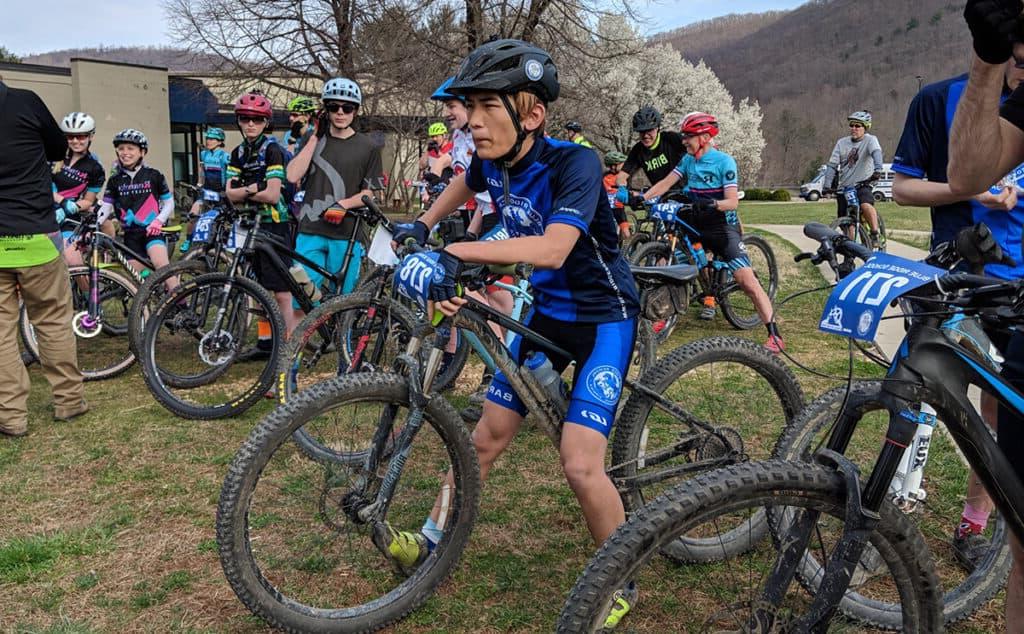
<point>406,550</point>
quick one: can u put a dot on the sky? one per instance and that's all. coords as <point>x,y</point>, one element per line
<point>140,22</point>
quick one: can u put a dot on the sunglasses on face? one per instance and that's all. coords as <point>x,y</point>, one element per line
<point>77,137</point>
<point>856,125</point>
<point>347,108</point>
<point>248,119</point>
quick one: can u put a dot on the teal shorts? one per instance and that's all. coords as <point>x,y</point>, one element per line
<point>329,254</point>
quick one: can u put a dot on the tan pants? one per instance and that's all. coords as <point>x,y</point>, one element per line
<point>46,291</point>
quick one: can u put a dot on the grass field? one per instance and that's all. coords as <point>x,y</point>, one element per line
<point>108,522</point>
<point>896,217</point>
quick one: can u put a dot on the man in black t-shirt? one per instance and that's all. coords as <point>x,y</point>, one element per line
<point>337,168</point>
<point>986,143</point>
<point>657,152</point>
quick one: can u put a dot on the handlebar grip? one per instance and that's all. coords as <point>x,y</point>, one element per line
<point>371,204</point>
<point>800,257</point>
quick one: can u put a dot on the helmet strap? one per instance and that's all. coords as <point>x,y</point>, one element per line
<point>506,159</point>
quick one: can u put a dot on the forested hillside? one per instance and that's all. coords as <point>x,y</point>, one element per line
<point>809,67</point>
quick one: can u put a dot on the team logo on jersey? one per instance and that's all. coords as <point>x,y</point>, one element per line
<point>605,384</point>
<point>534,70</point>
<point>523,219</point>
<point>730,175</point>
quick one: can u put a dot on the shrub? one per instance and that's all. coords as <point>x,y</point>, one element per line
<point>755,193</point>
<point>781,195</point>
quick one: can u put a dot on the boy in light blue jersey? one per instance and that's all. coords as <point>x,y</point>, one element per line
<point>711,177</point>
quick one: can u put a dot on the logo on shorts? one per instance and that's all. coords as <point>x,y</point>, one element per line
<point>864,323</point>
<point>605,384</point>
<point>534,70</point>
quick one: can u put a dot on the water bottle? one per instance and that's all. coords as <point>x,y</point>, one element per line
<point>300,275</point>
<point>550,381</point>
<point>700,258</point>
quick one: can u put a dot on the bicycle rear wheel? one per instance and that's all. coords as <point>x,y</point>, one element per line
<point>730,384</point>
<point>291,544</point>
<point>936,517</point>
<point>103,352</point>
<point>737,308</point>
<point>733,595</point>
<point>197,333</point>
<point>657,254</point>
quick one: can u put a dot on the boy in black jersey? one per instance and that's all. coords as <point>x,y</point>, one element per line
<point>141,198</point>
<point>656,153</point>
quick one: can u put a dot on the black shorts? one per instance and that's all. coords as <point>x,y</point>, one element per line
<point>1011,426</point>
<point>268,276</point>
<point>864,194</point>
<point>135,238</point>
<point>726,243</point>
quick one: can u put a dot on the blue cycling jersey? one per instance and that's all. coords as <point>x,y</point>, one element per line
<point>923,153</point>
<point>215,167</point>
<point>560,182</point>
<point>709,177</point>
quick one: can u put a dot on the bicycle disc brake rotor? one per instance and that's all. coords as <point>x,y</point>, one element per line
<point>217,347</point>
<point>85,325</point>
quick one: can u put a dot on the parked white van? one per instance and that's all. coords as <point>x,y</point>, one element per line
<point>816,187</point>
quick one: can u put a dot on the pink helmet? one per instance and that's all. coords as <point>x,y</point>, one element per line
<point>699,123</point>
<point>254,104</point>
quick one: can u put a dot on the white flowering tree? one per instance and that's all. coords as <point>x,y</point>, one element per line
<point>603,94</point>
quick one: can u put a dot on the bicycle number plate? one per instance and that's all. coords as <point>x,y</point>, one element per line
<point>851,196</point>
<point>415,275</point>
<point>211,196</point>
<point>857,303</point>
<point>237,238</point>
<point>204,225</point>
<point>665,211</point>
<point>497,233</point>
<point>380,252</point>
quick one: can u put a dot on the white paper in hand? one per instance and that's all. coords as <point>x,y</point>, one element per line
<point>381,252</point>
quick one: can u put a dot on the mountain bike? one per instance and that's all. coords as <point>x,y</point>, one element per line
<point>828,517</point>
<point>101,299</point>
<point>193,339</point>
<point>393,440</point>
<point>854,224</point>
<point>715,279</point>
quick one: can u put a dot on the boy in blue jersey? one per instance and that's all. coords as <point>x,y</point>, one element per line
<point>213,169</point>
<point>711,178</point>
<point>555,210</point>
<point>920,167</point>
<point>986,142</point>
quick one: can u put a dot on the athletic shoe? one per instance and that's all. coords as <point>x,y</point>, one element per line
<point>774,344</point>
<point>875,243</point>
<point>405,550</point>
<point>969,550</point>
<point>623,601</point>
<point>707,313</point>
<point>471,414</point>
<point>185,245</point>
<point>255,353</point>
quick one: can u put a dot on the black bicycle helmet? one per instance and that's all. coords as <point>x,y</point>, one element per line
<point>646,118</point>
<point>507,66</point>
<point>574,126</point>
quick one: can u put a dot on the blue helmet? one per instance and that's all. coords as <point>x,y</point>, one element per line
<point>214,133</point>
<point>442,94</point>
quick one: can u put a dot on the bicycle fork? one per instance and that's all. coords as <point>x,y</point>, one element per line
<point>860,518</point>
<point>87,323</point>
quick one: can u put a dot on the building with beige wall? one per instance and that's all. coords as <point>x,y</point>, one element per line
<point>174,109</point>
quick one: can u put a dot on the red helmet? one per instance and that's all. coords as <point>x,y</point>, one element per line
<point>254,104</point>
<point>699,123</point>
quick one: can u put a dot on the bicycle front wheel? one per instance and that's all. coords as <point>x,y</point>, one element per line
<point>732,385</point>
<point>737,308</point>
<point>154,290</point>
<point>101,339</point>
<point>196,335</point>
<point>935,516</point>
<point>291,543</point>
<point>739,595</point>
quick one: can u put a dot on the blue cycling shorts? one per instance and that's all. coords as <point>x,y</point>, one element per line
<point>602,353</point>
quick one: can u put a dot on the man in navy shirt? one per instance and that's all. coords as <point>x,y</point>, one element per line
<point>920,166</point>
<point>986,144</point>
<point>554,207</point>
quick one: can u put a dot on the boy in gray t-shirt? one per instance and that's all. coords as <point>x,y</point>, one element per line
<point>858,159</point>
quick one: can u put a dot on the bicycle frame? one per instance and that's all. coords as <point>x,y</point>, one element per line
<point>929,368</point>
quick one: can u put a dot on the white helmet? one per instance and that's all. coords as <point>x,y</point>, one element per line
<point>862,117</point>
<point>342,89</point>
<point>78,123</point>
